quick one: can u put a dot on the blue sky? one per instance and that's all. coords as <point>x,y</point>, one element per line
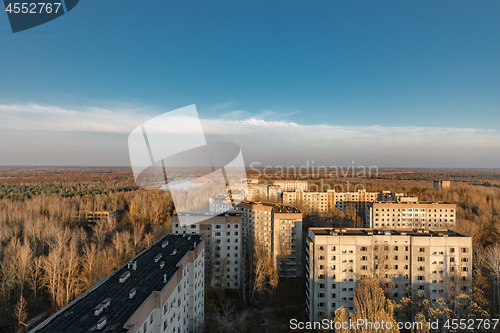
<point>367,66</point>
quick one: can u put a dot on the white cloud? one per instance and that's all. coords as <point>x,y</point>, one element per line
<point>30,117</point>
<point>320,135</point>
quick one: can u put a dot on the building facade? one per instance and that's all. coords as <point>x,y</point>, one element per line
<point>274,227</point>
<point>329,200</point>
<point>292,185</point>
<point>223,244</point>
<point>433,263</point>
<point>407,215</point>
<point>159,291</point>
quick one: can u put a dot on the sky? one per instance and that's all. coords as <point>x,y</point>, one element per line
<point>386,83</point>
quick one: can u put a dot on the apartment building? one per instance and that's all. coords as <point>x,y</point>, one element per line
<point>397,215</point>
<point>277,228</point>
<point>223,238</point>
<point>161,290</point>
<point>441,184</point>
<point>292,185</point>
<point>329,200</point>
<point>434,263</point>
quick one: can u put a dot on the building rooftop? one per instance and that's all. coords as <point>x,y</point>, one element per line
<point>277,207</point>
<point>230,213</point>
<point>392,232</point>
<point>414,203</point>
<point>290,181</point>
<point>79,316</point>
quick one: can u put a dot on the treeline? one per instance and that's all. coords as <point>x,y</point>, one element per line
<point>24,192</point>
<point>48,256</point>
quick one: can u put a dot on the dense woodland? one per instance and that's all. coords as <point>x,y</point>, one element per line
<point>49,254</point>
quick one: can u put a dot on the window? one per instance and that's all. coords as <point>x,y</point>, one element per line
<point>151,319</point>
<point>464,250</point>
<point>421,258</point>
<point>421,249</point>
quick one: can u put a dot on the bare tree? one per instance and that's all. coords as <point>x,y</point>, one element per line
<point>492,261</point>
<point>20,312</point>
<point>371,306</point>
<point>36,275</point>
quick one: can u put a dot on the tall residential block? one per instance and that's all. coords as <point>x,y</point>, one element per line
<point>223,238</point>
<point>276,228</point>
<point>433,263</point>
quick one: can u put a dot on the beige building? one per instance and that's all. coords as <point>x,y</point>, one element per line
<point>161,290</point>
<point>441,184</point>
<point>292,185</point>
<point>223,244</point>
<point>397,215</point>
<point>433,263</point>
<point>329,200</point>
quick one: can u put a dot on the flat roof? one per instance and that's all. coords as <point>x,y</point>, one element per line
<point>414,203</point>
<point>78,316</point>
<point>277,207</point>
<point>212,214</point>
<point>381,232</point>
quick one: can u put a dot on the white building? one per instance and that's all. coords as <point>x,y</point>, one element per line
<point>223,244</point>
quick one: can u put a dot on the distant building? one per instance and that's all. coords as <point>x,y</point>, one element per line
<point>433,263</point>
<point>160,290</point>
<point>292,185</point>
<point>250,180</point>
<point>441,184</point>
<point>111,217</point>
<point>403,215</point>
<point>223,244</point>
<point>395,197</point>
<point>329,200</point>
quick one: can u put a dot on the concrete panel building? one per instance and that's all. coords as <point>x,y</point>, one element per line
<point>277,228</point>
<point>223,238</point>
<point>161,290</point>
<point>434,263</point>
<point>329,200</point>
<point>292,185</point>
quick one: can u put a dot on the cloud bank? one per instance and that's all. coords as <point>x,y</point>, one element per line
<point>277,142</point>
